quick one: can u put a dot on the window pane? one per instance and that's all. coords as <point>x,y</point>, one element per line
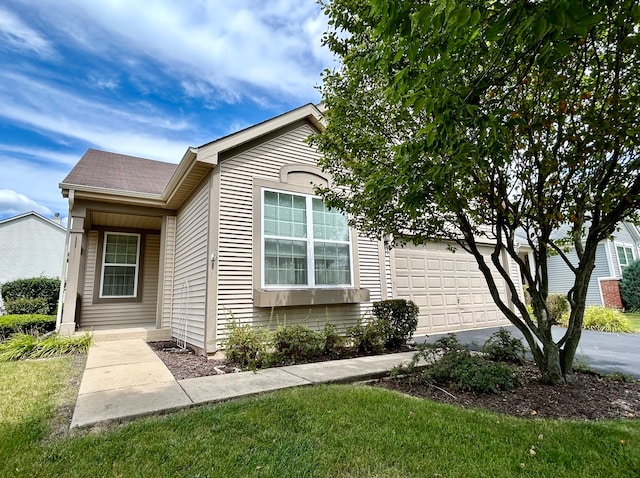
<point>332,264</point>
<point>119,281</point>
<point>121,249</point>
<point>285,262</point>
<point>285,215</point>
<point>329,224</point>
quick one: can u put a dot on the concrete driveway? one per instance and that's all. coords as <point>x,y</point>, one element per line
<point>602,351</point>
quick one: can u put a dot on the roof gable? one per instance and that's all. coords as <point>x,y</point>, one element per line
<point>35,215</point>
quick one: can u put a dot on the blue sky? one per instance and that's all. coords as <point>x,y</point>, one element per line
<point>142,77</point>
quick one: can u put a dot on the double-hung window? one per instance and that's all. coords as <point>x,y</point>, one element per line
<point>304,243</point>
<point>120,265</point>
<point>625,256</point>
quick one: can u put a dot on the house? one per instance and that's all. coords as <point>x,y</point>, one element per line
<point>612,257</point>
<point>234,233</point>
<point>31,246</point>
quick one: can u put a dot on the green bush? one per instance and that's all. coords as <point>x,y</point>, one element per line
<point>24,305</point>
<point>461,370</point>
<point>630,286</point>
<point>333,341</point>
<point>399,320</point>
<point>38,287</point>
<point>503,347</point>
<point>296,343</point>
<point>13,324</point>
<point>367,337</point>
<point>247,346</point>
<point>28,346</point>
<point>557,305</point>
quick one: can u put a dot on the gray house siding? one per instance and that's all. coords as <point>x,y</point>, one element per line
<point>621,237</point>
<point>190,268</point>
<point>561,278</point>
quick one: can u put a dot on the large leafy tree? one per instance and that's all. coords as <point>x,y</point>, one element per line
<point>489,122</point>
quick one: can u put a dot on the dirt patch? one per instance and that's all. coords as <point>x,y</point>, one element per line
<point>590,397</point>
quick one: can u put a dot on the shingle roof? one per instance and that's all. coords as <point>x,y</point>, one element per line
<point>120,172</point>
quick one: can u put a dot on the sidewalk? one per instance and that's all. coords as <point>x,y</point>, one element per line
<point>125,379</point>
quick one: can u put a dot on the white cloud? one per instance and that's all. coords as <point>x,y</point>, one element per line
<point>232,46</point>
<point>51,110</point>
<point>40,154</point>
<point>13,203</point>
<point>17,34</point>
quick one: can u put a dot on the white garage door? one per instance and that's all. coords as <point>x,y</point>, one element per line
<point>448,287</point>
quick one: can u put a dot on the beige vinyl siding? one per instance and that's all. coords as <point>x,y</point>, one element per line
<point>126,313</point>
<point>370,273</point>
<point>190,268</point>
<point>167,280</point>
<point>235,247</point>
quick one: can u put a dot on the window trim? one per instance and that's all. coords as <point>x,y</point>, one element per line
<point>103,266</point>
<point>625,246</point>
<point>310,242</point>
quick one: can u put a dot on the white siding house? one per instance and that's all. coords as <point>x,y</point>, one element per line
<point>30,246</point>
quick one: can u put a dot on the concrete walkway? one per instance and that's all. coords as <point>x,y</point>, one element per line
<point>125,379</point>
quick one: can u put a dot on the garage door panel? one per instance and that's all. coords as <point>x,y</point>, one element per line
<point>451,291</point>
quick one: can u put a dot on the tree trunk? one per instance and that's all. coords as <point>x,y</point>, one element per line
<point>551,368</point>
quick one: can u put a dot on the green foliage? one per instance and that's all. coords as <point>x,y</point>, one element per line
<point>247,346</point>
<point>399,320</point>
<point>557,305</point>
<point>44,288</point>
<point>25,305</point>
<point>450,364</point>
<point>503,347</point>
<point>28,346</point>
<point>297,343</point>
<point>13,324</point>
<point>630,286</point>
<point>472,120</point>
<point>367,337</point>
<point>333,341</point>
<point>603,319</point>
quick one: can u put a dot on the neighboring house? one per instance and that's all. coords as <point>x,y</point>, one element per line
<point>30,246</point>
<point>612,256</point>
<point>234,233</point>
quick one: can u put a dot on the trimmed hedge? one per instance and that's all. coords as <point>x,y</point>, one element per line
<point>24,306</point>
<point>46,288</point>
<point>630,286</point>
<point>16,324</point>
<point>399,320</point>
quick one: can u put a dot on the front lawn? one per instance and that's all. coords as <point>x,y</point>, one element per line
<point>339,430</point>
<point>634,318</point>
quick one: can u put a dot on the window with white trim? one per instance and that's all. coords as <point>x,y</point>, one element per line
<point>120,265</point>
<point>625,256</point>
<point>305,244</point>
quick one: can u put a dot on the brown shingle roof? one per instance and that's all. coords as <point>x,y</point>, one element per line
<point>120,172</point>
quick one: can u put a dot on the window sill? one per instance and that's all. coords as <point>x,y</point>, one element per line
<point>291,297</point>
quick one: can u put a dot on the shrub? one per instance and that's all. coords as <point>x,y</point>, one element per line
<point>557,305</point>
<point>333,341</point>
<point>24,305</point>
<point>28,346</point>
<point>42,287</point>
<point>461,370</point>
<point>297,343</point>
<point>605,320</point>
<point>630,286</point>
<point>399,320</point>
<point>13,324</point>
<point>367,338</point>
<point>503,347</point>
<point>246,346</point>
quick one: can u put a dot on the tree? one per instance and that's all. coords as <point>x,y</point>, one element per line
<point>479,122</point>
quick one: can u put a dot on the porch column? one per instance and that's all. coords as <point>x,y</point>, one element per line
<point>72,283</point>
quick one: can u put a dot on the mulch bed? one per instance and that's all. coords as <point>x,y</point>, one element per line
<point>590,397</point>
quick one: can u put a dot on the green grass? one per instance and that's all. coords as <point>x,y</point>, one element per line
<point>340,430</point>
<point>26,346</point>
<point>634,318</point>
